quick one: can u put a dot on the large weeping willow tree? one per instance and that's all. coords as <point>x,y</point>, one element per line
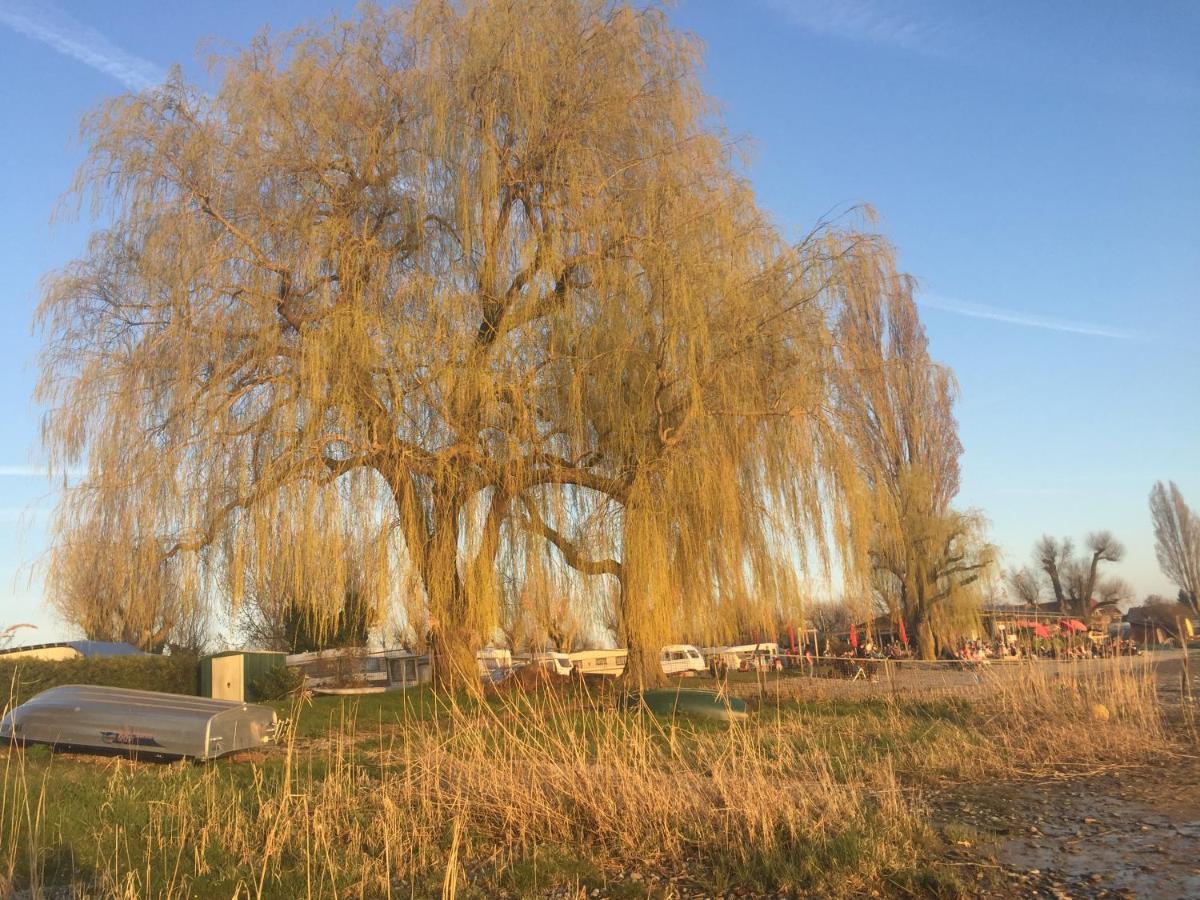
<point>476,281</point>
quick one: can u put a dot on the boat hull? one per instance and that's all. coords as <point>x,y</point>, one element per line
<point>138,723</point>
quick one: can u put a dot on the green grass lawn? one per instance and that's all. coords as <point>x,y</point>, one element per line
<point>517,793</point>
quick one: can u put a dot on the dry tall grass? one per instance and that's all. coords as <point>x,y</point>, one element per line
<point>559,791</point>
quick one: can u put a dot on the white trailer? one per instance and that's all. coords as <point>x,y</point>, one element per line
<point>599,662</point>
<point>554,662</point>
<point>745,657</point>
<point>357,670</point>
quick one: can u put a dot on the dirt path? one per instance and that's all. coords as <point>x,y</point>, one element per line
<point>1132,833</point>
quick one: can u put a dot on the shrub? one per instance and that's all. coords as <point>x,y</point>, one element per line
<point>20,679</point>
<point>279,683</point>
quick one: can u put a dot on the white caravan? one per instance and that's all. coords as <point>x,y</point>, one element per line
<point>494,664</point>
<point>676,659</point>
<point>681,659</point>
<point>599,662</point>
<point>746,657</point>
<point>554,662</point>
<point>357,670</point>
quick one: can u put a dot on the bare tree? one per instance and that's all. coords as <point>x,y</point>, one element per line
<point>1102,547</point>
<point>1025,585</point>
<point>1113,591</point>
<point>1052,557</point>
<point>1075,578</point>
<point>1177,540</point>
<point>116,592</point>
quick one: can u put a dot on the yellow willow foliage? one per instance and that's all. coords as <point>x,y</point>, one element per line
<point>473,285</point>
<point>895,407</point>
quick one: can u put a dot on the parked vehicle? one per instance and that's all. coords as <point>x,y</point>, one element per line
<point>682,659</point>
<point>676,659</point>
<point>495,664</point>
<point>138,723</point>
<point>599,662</point>
<point>744,657</point>
<point>357,670</point>
<point>556,663</point>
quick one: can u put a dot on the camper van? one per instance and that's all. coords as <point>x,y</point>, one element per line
<point>681,659</point>
<point>598,662</point>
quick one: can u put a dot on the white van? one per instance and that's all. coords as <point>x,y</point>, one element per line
<point>681,659</point>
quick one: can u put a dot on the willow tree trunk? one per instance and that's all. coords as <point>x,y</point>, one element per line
<point>643,565</point>
<point>455,638</point>
<point>926,642</point>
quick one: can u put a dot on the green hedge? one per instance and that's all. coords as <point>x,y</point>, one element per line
<point>173,674</point>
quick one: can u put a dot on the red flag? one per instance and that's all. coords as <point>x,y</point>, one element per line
<point>853,636</point>
<point>903,634</point>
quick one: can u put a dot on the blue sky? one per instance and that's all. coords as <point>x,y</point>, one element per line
<point>1038,165</point>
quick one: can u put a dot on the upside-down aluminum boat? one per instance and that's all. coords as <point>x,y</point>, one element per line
<point>138,723</point>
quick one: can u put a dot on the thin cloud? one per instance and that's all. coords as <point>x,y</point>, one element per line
<point>36,472</point>
<point>1037,492</point>
<point>984,38</point>
<point>70,37</point>
<point>1027,320</point>
<point>23,515</point>
<point>864,21</point>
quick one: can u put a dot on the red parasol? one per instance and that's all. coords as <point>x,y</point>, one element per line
<point>903,634</point>
<point>1036,627</point>
<point>1071,625</point>
<point>853,636</point>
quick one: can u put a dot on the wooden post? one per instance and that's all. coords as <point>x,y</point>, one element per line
<point>1186,686</point>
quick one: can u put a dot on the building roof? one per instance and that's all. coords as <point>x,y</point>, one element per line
<point>105,648</point>
<point>83,648</point>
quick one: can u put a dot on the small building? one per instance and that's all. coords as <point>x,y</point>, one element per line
<point>64,650</point>
<point>229,675</point>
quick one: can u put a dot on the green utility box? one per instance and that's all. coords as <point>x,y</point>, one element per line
<point>230,674</point>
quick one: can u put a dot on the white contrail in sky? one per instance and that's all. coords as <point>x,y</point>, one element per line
<point>1029,320</point>
<point>868,21</point>
<point>46,23</point>
<point>41,471</point>
<point>973,34</point>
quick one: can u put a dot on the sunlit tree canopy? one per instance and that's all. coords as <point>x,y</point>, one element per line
<point>469,298</point>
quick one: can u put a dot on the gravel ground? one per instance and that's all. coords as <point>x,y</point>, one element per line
<point>1135,833</point>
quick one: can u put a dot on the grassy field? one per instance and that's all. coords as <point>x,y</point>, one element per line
<point>560,793</point>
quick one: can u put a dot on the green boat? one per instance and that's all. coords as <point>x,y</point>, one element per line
<point>689,702</point>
